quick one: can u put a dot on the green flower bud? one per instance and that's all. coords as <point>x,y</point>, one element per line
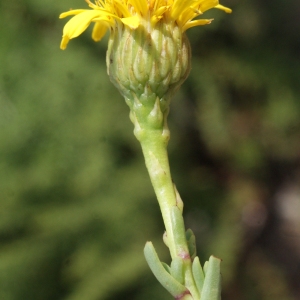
<point>148,62</point>
<point>148,55</point>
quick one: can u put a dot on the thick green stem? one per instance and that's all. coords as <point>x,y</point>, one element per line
<point>154,146</point>
<point>156,158</point>
<point>149,113</point>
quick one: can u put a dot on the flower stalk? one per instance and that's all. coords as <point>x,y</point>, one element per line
<point>148,59</point>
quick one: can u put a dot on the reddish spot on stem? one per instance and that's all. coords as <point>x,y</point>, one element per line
<point>187,292</point>
<point>184,255</point>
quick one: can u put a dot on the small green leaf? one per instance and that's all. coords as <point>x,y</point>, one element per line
<point>179,202</point>
<point>191,242</point>
<point>166,280</point>
<point>167,267</point>
<point>165,239</point>
<point>212,282</point>
<point>177,269</point>
<point>198,274</point>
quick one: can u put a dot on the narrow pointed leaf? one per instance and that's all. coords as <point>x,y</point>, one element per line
<point>198,274</point>
<point>191,242</point>
<point>212,283</point>
<point>166,280</point>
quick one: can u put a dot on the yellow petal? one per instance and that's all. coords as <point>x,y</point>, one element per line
<point>140,5</point>
<point>179,6</point>
<point>121,9</point>
<point>64,42</point>
<point>99,31</point>
<point>196,23</point>
<point>160,11</point>
<point>226,9</point>
<point>71,13</point>
<point>155,19</point>
<point>208,5</point>
<point>79,23</point>
<point>132,22</point>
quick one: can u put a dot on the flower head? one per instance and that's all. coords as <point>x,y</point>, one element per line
<point>148,56</point>
<point>108,14</point>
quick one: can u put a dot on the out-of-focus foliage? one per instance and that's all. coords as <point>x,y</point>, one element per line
<point>76,204</point>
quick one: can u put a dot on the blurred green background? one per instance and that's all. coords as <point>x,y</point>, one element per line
<point>76,204</point>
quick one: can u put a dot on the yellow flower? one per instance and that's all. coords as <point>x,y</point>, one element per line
<point>109,14</point>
